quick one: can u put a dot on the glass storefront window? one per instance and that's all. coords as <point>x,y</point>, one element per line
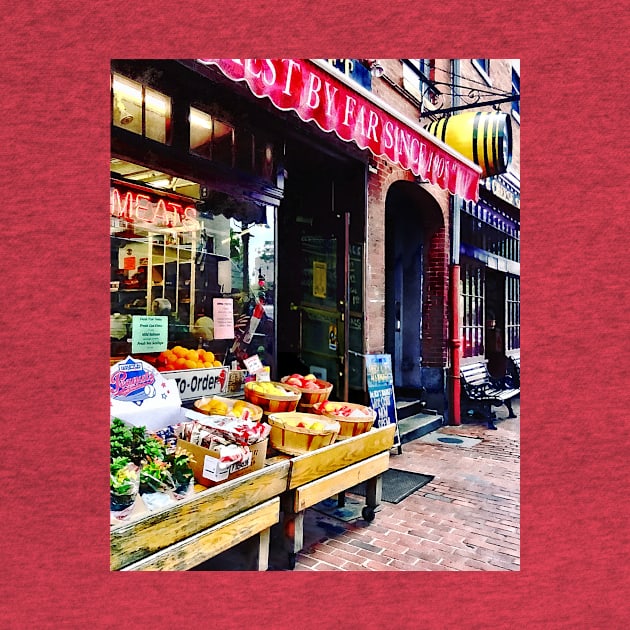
<point>168,260</point>
<point>472,291</point>
<point>513,314</point>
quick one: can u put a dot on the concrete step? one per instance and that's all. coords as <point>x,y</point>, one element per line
<point>406,407</point>
<point>413,427</point>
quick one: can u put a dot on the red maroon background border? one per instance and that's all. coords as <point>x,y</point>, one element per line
<point>54,315</point>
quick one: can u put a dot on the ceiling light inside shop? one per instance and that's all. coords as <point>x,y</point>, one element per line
<point>156,103</point>
<point>127,89</point>
<point>162,183</point>
<point>154,178</point>
<point>200,119</point>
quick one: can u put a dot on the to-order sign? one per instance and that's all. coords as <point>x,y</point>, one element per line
<point>355,115</point>
<point>194,384</point>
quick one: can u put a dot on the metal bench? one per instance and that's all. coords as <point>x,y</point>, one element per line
<point>482,390</point>
<point>515,368</point>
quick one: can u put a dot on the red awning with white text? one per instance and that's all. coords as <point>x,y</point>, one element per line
<point>355,115</point>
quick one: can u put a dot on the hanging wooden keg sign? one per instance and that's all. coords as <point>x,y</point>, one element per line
<point>380,383</point>
<point>483,137</point>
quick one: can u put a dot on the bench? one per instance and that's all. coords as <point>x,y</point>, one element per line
<point>515,368</point>
<point>481,389</point>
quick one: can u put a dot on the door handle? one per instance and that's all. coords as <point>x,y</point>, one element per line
<point>397,315</point>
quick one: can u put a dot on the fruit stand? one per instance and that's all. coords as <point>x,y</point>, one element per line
<point>328,471</point>
<point>209,522</point>
<point>189,484</point>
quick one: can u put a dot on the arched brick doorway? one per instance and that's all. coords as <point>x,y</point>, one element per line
<point>416,271</point>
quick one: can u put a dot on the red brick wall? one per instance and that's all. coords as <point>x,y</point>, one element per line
<point>435,305</point>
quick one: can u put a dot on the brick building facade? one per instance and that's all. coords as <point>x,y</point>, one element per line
<point>441,85</point>
<point>361,246</point>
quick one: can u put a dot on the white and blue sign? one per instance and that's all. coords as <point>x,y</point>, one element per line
<point>141,396</point>
<point>380,383</point>
<point>131,382</point>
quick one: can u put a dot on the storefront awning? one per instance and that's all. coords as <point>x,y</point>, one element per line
<point>318,92</point>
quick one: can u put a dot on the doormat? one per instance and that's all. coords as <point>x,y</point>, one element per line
<point>397,485</point>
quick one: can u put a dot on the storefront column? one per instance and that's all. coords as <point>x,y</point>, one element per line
<point>455,340</point>
<point>455,411</point>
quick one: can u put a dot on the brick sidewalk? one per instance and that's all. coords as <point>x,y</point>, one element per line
<point>467,518</point>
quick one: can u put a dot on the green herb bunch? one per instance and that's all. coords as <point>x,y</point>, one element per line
<point>179,462</point>
<point>155,476</point>
<point>123,475</point>
<point>160,467</point>
<point>133,443</point>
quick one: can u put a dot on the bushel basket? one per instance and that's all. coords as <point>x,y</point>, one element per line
<point>349,425</point>
<point>296,440</point>
<point>272,403</point>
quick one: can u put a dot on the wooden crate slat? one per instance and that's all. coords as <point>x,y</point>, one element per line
<point>323,461</point>
<point>139,538</point>
<point>320,489</point>
<point>209,543</point>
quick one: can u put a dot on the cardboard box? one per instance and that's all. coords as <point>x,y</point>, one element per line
<point>204,466</point>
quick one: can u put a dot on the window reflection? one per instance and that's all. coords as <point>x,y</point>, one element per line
<point>139,109</point>
<point>227,254</point>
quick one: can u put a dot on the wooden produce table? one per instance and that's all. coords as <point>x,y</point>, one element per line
<point>200,527</point>
<point>329,471</point>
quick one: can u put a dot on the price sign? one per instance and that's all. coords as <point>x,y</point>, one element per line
<point>223,316</point>
<point>253,364</point>
<point>380,383</point>
<point>149,333</point>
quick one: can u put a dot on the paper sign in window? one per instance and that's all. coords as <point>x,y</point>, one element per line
<point>319,279</point>
<point>149,333</point>
<point>223,316</point>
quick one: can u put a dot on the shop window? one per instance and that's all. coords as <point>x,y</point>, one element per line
<point>516,92</point>
<point>219,141</point>
<point>486,229</point>
<point>512,313</point>
<point>223,143</point>
<point>483,67</point>
<point>419,77</point>
<point>472,291</point>
<point>200,132</point>
<point>211,138</point>
<point>173,257</point>
<point>140,109</point>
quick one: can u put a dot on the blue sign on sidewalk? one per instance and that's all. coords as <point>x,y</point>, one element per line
<point>380,383</point>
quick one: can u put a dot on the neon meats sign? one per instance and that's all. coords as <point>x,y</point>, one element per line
<point>314,94</point>
<point>140,207</point>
